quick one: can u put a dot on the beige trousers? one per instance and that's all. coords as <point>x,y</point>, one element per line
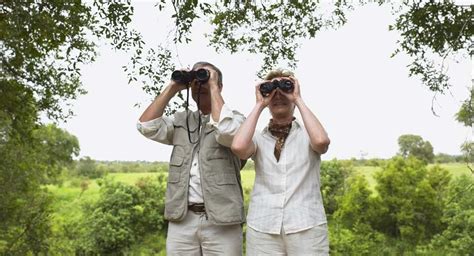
<point>196,235</point>
<point>312,241</point>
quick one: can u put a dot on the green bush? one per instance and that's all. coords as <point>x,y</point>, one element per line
<point>458,216</point>
<point>123,216</point>
<point>333,176</point>
<point>410,199</point>
<point>361,239</point>
<point>356,205</point>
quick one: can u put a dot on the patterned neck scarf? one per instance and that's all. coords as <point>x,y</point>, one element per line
<point>280,131</point>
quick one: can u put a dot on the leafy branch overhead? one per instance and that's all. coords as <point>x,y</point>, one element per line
<point>431,32</point>
<point>45,44</point>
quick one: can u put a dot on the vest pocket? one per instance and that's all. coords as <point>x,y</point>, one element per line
<point>176,160</point>
<point>226,179</point>
<point>176,163</point>
<point>173,177</point>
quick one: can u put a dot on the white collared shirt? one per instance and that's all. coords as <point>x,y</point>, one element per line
<point>161,130</point>
<point>286,193</point>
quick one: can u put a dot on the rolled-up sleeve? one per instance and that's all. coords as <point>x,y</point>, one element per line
<point>227,126</point>
<point>159,129</point>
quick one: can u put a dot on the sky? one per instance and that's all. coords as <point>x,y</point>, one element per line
<point>364,99</point>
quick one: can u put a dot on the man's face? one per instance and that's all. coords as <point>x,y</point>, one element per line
<point>204,93</point>
<point>280,106</point>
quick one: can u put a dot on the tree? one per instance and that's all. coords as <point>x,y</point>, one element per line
<point>43,45</point>
<point>414,145</point>
<point>87,167</point>
<point>356,205</point>
<point>30,159</point>
<point>333,178</point>
<point>457,238</point>
<point>412,198</point>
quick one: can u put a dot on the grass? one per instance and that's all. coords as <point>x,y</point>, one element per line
<point>456,169</point>
<point>368,172</point>
<point>130,178</point>
<point>248,178</point>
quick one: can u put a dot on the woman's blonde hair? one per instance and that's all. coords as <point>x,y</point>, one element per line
<point>278,73</point>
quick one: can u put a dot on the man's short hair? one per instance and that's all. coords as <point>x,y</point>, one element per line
<point>278,73</point>
<point>207,64</point>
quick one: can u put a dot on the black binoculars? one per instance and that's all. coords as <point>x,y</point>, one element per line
<point>285,85</point>
<point>186,77</point>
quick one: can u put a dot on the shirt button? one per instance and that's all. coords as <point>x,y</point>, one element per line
<point>194,164</point>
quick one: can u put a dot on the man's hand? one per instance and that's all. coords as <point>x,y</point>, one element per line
<point>213,80</point>
<point>296,94</point>
<point>260,100</point>
<point>175,86</point>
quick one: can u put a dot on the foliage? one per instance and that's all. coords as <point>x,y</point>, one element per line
<point>446,158</point>
<point>467,149</point>
<point>375,162</point>
<point>415,146</point>
<point>32,155</point>
<point>45,43</point>
<point>123,215</point>
<point>434,28</point>
<point>359,240</point>
<point>132,167</point>
<point>352,231</point>
<point>430,32</point>
<point>87,167</point>
<point>30,229</point>
<point>42,45</point>
<point>71,229</point>
<point>356,205</point>
<point>466,114</point>
<point>332,180</point>
<point>410,199</point>
<point>458,237</point>
<point>405,211</point>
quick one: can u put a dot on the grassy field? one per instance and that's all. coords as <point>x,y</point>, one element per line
<point>456,169</point>
<point>69,192</point>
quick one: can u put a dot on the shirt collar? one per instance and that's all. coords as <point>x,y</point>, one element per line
<point>296,124</point>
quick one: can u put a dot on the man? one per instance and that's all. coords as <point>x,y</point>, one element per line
<point>204,201</point>
<point>286,214</point>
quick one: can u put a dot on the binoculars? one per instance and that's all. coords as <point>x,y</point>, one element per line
<point>285,85</point>
<point>186,77</point>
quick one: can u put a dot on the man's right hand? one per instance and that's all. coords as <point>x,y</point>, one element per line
<point>176,87</point>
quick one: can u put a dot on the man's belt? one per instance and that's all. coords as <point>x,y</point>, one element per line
<point>197,207</point>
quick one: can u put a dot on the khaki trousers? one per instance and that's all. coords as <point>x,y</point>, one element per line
<point>196,235</point>
<point>313,241</point>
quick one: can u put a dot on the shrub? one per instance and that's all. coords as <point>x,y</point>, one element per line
<point>123,215</point>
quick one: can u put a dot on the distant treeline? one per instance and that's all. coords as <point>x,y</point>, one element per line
<point>91,168</point>
<point>440,158</point>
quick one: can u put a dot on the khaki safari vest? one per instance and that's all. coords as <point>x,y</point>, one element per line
<point>219,169</point>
